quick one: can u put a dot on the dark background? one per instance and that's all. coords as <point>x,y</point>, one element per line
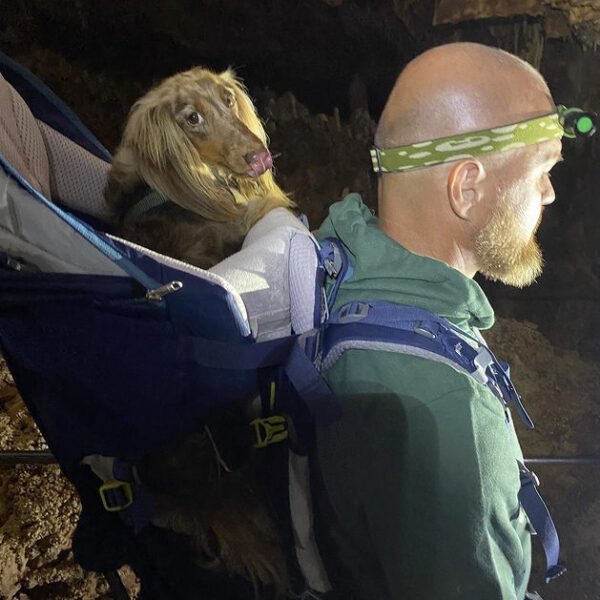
<point>320,72</point>
<point>337,59</point>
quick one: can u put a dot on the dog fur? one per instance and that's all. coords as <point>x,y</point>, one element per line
<point>196,139</point>
<point>205,168</point>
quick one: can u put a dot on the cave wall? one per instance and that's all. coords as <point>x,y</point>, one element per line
<point>320,71</point>
<point>338,59</point>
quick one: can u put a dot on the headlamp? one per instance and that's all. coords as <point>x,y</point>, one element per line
<point>570,122</point>
<point>577,122</point>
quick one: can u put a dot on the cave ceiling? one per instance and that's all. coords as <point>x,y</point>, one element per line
<point>320,72</point>
<point>314,47</point>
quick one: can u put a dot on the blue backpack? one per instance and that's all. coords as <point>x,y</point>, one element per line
<point>99,333</point>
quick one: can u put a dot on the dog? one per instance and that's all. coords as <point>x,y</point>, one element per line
<point>196,147</point>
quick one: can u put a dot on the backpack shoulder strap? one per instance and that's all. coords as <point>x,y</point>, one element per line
<point>409,330</point>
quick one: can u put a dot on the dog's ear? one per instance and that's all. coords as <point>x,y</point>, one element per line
<point>160,149</point>
<point>123,178</point>
<point>246,110</point>
<point>147,135</point>
<point>151,131</point>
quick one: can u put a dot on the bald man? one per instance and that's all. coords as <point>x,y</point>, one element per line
<point>419,479</point>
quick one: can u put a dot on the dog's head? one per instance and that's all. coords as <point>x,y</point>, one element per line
<point>197,139</point>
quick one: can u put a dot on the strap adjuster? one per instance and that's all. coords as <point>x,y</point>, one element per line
<point>555,572</point>
<point>269,430</point>
<point>353,311</point>
<point>116,495</point>
<point>528,477</point>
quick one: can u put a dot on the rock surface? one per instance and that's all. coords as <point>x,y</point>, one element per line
<point>38,512</point>
<point>38,507</point>
<point>339,58</point>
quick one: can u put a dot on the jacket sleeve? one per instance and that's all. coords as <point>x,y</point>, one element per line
<point>441,499</point>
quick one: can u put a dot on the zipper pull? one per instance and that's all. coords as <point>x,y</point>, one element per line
<point>159,293</point>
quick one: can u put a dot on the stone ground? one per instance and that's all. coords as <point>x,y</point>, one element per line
<point>38,507</point>
<point>560,391</point>
<point>38,512</point>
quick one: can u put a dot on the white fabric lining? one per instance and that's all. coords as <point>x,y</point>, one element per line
<point>32,232</point>
<point>260,272</point>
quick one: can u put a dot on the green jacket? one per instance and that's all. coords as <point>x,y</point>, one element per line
<point>419,478</point>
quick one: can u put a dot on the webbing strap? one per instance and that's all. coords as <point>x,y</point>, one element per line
<point>149,201</point>
<point>311,387</point>
<point>409,330</point>
<point>139,511</point>
<point>240,356</point>
<point>285,352</point>
<point>336,263</point>
<point>540,519</point>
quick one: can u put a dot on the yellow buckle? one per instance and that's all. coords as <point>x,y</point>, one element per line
<point>269,430</point>
<point>116,495</point>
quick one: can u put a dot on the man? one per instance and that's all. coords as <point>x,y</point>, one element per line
<point>420,477</point>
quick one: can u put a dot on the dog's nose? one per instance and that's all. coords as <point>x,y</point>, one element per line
<point>259,162</point>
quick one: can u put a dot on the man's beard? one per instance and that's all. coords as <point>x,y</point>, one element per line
<point>502,253</point>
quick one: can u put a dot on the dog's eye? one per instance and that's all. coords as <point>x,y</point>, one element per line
<point>229,99</point>
<point>194,118</point>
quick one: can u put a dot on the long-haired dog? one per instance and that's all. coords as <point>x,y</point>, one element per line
<point>195,142</point>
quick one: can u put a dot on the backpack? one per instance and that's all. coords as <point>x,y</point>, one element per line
<point>98,332</point>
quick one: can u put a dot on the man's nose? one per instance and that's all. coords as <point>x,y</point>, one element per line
<point>548,195</point>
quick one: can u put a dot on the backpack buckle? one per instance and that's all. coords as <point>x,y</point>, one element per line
<point>332,258</point>
<point>116,495</point>
<point>269,430</point>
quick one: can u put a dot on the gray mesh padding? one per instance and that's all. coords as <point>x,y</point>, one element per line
<point>260,273</point>
<point>303,272</point>
<point>302,516</point>
<point>30,231</point>
<point>338,350</point>
<point>77,177</point>
<point>20,140</point>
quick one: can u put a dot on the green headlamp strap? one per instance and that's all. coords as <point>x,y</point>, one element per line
<point>569,122</point>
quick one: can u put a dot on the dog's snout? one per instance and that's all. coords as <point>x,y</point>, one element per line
<point>259,162</point>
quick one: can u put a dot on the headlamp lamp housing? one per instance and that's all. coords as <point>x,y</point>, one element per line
<point>577,122</point>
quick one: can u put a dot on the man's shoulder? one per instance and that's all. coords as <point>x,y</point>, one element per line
<point>344,216</point>
<point>414,380</point>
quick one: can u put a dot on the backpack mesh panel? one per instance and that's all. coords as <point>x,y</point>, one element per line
<point>77,177</point>
<point>20,140</point>
<point>302,274</point>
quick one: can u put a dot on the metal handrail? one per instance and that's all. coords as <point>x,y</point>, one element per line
<point>9,458</point>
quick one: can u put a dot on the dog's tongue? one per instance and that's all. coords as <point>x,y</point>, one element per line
<point>259,162</point>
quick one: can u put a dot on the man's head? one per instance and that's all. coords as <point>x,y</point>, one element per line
<point>477,213</point>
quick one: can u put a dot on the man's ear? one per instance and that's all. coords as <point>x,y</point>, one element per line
<point>464,187</point>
